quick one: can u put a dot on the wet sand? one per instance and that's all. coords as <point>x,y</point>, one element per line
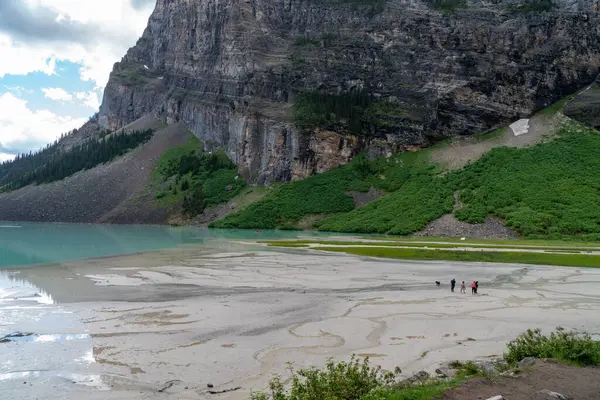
<point>164,325</point>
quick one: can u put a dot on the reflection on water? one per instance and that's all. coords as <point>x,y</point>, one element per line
<point>30,243</point>
<point>40,342</point>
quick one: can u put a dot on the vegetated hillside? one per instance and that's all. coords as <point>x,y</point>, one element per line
<point>548,190</point>
<point>188,175</point>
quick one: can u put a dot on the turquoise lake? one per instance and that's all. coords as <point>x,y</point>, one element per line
<point>31,243</point>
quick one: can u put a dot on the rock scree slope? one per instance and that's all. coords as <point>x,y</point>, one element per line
<point>112,192</point>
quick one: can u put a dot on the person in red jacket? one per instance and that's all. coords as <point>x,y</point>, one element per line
<point>473,288</point>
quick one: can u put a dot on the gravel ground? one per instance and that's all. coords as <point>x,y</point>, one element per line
<point>449,226</point>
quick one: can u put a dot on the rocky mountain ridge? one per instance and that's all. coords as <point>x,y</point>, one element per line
<point>232,72</point>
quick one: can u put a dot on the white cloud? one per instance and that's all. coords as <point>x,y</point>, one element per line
<point>116,25</point>
<point>23,129</point>
<point>57,94</point>
<point>6,157</point>
<point>89,99</point>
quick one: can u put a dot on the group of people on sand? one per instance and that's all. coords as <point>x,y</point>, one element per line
<point>463,287</point>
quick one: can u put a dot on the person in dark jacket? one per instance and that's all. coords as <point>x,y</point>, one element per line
<point>452,284</point>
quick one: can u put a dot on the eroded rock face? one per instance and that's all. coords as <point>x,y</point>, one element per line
<point>585,107</point>
<point>230,71</point>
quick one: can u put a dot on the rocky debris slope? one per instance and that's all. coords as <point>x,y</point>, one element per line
<point>231,71</point>
<point>112,192</point>
<point>585,107</point>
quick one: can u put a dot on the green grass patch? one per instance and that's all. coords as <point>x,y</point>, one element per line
<point>519,243</point>
<point>565,260</point>
<point>431,391</point>
<point>283,243</point>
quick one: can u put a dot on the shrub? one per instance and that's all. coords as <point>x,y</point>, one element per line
<point>338,381</point>
<point>547,190</point>
<point>562,345</point>
<point>185,185</point>
<point>205,178</point>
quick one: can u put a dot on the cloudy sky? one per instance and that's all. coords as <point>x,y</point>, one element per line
<point>55,58</point>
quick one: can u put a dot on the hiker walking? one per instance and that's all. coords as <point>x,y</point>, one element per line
<point>473,288</point>
<point>476,286</point>
<point>452,284</point>
<point>463,288</point>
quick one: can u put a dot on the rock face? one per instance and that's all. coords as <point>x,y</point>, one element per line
<point>231,70</point>
<point>585,107</point>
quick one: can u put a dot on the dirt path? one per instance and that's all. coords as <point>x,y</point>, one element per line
<point>572,382</point>
<point>465,149</point>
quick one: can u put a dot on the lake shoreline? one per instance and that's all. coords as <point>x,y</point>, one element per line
<point>232,315</point>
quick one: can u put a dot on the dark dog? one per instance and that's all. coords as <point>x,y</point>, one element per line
<point>437,283</point>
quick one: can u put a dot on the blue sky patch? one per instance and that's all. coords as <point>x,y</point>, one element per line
<point>67,77</point>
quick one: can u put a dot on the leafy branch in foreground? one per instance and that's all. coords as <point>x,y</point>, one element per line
<point>338,381</point>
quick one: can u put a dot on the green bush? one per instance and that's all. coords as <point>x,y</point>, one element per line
<point>325,194</point>
<point>562,345</point>
<point>222,186</point>
<point>206,178</point>
<point>420,200</point>
<point>320,194</point>
<point>338,381</point>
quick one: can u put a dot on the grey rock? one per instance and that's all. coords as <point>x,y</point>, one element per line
<point>526,362</point>
<point>499,397</point>
<point>585,107</point>
<point>420,376</point>
<point>549,395</point>
<point>489,369</point>
<point>230,71</point>
<point>445,372</point>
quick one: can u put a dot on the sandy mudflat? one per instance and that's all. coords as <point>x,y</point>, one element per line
<point>233,318</point>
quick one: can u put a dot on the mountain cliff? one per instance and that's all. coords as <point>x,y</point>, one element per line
<point>294,87</point>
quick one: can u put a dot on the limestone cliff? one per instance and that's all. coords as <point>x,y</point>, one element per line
<point>231,70</point>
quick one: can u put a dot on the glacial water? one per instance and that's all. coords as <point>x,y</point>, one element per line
<point>30,243</point>
<point>46,350</point>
